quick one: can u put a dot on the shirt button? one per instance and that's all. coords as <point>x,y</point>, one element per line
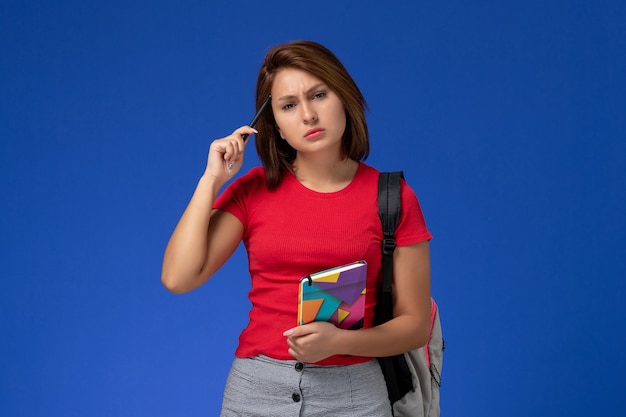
<point>295,397</point>
<point>299,366</point>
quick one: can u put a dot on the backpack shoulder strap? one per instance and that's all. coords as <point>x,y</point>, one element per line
<point>398,377</point>
<point>425,362</point>
<point>389,210</point>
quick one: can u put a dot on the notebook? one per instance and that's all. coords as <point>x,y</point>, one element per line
<point>336,295</point>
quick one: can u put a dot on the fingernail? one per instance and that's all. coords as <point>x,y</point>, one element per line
<point>288,332</point>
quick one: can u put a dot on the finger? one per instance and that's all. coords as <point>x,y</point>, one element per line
<point>292,345</point>
<point>243,132</point>
<point>294,354</point>
<point>234,156</point>
<point>299,331</point>
<point>237,145</point>
<point>232,149</point>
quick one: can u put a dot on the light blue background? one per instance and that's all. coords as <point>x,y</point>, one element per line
<point>508,118</point>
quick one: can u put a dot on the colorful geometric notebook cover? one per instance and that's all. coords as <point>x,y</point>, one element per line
<point>336,295</point>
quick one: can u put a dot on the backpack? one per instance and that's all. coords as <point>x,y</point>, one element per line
<point>413,378</point>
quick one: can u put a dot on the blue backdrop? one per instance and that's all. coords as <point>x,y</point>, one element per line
<point>508,118</point>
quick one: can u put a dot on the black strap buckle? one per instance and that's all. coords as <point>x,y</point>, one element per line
<point>389,245</point>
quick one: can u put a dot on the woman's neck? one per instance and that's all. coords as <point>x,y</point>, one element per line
<point>324,175</point>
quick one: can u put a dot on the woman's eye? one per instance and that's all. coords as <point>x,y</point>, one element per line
<point>287,106</point>
<point>319,95</point>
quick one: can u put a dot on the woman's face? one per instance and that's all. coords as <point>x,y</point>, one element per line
<point>308,114</point>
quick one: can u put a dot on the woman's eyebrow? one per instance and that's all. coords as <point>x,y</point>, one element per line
<point>317,86</point>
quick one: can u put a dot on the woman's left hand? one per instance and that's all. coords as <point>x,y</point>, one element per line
<point>313,342</point>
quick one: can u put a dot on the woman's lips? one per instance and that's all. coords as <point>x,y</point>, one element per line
<point>313,133</point>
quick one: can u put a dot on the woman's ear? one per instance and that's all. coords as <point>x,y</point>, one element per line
<point>280,133</point>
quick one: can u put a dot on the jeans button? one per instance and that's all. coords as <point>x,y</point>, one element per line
<point>299,366</point>
<point>295,397</point>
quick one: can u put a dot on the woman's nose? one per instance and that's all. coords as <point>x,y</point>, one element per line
<point>308,113</point>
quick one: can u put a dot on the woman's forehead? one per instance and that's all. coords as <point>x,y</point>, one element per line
<point>294,82</point>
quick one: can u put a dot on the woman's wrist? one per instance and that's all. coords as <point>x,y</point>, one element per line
<point>209,185</point>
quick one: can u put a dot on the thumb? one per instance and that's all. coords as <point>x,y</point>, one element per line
<point>302,330</point>
<point>297,331</point>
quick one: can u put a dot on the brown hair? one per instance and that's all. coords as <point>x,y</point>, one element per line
<point>277,155</point>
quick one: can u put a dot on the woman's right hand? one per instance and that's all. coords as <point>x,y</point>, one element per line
<point>226,155</point>
<point>205,238</point>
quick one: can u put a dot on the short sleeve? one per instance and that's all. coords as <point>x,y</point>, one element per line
<point>412,227</point>
<point>235,199</point>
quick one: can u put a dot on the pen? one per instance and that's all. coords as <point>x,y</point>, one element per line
<point>257,116</point>
<point>253,123</point>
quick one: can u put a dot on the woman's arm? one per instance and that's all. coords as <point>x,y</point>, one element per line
<point>205,238</point>
<point>406,331</point>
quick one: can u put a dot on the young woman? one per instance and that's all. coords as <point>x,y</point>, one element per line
<point>312,206</point>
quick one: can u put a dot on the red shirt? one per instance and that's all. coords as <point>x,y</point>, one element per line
<point>292,231</point>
